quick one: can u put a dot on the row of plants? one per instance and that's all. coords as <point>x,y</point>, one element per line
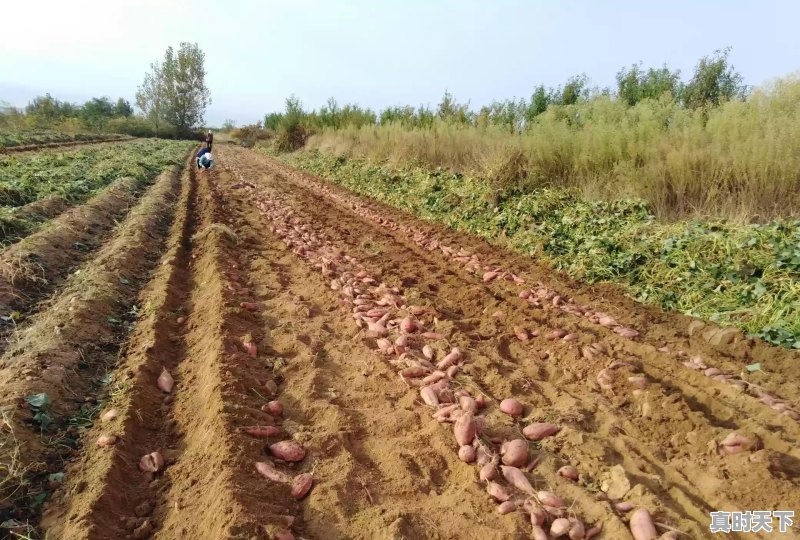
<point>75,175</point>
<point>741,275</point>
<point>10,139</point>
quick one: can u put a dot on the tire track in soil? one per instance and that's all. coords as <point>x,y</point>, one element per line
<point>379,474</point>
<point>69,346</point>
<point>683,497</point>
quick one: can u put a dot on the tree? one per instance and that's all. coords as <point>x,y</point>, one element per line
<point>123,108</point>
<point>575,88</point>
<point>150,96</point>
<point>634,84</point>
<point>97,111</point>
<point>175,91</point>
<point>228,125</point>
<point>540,100</point>
<point>628,84</point>
<point>714,81</point>
<point>46,110</point>
<point>451,110</point>
<point>185,91</point>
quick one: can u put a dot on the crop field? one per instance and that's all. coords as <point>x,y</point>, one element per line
<point>257,352</point>
<point>32,140</point>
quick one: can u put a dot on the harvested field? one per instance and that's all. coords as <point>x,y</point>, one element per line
<point>255,353</point>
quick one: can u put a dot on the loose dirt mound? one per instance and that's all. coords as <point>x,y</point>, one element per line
<point>389,344</point>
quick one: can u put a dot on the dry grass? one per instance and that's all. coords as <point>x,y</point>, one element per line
<point>739,161</point>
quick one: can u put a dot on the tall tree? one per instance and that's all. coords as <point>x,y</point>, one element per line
<point>185,91</point>
<point>714,81</point>
<point>174,92</point>
<point>150,96</point>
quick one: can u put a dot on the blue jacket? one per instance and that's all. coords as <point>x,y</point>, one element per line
<point>202,151</point>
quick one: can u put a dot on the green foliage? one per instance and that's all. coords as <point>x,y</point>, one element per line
<point>714,82</point>
<point>68,121</point>
<point>634,84</point>
<point>291,132</point>
<point>742,275</point>
<point>10,139</point>
<point>174,92</point>
<point>576,88</point>
<point>739,159</point>
<point>451,111</point>
<point>39,405</point>
<point>75,175</point>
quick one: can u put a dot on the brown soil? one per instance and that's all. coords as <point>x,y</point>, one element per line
<point>638,424</point>
<point>68,348</point>
<point>42,210</point>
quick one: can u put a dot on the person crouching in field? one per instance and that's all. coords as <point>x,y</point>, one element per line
<point>204,158</point>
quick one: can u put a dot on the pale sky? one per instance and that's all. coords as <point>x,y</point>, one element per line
<point>379,53</point>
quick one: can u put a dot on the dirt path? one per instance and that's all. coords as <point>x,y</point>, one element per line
<point>368,326</point>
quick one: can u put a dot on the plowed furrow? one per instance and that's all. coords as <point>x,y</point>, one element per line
<point>39,264</point>
<point>623,410</point>
<point>660,341</point>
<point>583,504</point>
<point>363,427</point>
<point>69,348</point>
<point>721,402</point>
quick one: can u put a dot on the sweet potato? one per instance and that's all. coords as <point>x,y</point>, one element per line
<point>165,382</point>
<point>268,471</point>
<point>642,527</point>
<point>540,430</point>
<point>516,478</point>
<point>428,395</point>
<point>548,498</point>
<point>262,432</point>
<point>568,471</point>
<point>288,451</point>
<point>497,491</point>
<point>275,408</point>
<point>488,472</point>
<point>468,404</point>
<point>301,485</point>
<point>506,507</point>
<point>515,453</point>
<point>151,462</point>
<point>466,453</point>
<point>537,533</point>
<point>511,407</point>
<point>559,527</point>
<point>556,334</point>
<point>465,429</point>
<point>106,440</point>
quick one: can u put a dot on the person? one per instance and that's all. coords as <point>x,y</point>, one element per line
<point>209,139</point>
<point>204,158</point>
